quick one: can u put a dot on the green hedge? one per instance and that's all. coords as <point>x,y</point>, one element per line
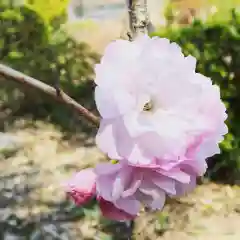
<point>217,48</point>
<point>42,50</point>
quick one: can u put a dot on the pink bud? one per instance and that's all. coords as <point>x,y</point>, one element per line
<point>82,187</point>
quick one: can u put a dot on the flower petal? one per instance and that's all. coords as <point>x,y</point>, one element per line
<point>82,186</point>
<point>166,184</point>
<point>134,185</point>
<point>152,197</point>
<point>176,174</point>
<point>107,168</point>
<point>129,205</point>
<point>105,139</point>
<point>112,212</point>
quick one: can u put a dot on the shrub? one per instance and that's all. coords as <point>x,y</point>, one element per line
<point>42,50</point>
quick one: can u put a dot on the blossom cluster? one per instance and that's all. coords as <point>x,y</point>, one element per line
<point>159,119</point>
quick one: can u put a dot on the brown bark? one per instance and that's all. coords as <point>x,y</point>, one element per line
<point>11,74</point>
<point>138,18</point>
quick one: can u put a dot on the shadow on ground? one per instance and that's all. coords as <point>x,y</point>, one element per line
<point>20,219</point>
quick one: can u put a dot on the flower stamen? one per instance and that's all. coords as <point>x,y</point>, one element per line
<point>148,106</point>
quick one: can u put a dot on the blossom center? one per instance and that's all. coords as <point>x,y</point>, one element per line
<point>148,106</point>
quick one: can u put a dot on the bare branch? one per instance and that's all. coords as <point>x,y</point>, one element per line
<point>138,17</point>
<point>62,97</point>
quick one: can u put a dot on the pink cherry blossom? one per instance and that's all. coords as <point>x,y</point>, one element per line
<point>130,187</point>
<point>160,119</point>
<point>82,186</point>
<point>154,105</point>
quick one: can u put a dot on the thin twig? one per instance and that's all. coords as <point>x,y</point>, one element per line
<point>62,97</point>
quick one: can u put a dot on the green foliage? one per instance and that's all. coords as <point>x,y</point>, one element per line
<point>48,9</point>
<point>42,50</point>
<point>18,25</point>
<point>223,10</point>
<point>217,49</point>
<point>162,223</point>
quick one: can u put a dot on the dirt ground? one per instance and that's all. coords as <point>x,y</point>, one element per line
<point>33,204</point>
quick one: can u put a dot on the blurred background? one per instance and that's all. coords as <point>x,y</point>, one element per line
<point>43,143</point>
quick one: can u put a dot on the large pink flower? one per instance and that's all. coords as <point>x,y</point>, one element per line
<point>160,119</point>
<point>154,105</point>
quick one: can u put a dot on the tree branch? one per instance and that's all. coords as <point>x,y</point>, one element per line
<point>138,17</point>
<point>62,97</point>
